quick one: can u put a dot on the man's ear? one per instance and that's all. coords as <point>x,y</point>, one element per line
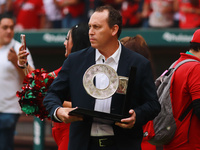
<point>115,29</point>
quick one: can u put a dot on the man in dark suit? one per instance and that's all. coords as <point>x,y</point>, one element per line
<point>105,27</point>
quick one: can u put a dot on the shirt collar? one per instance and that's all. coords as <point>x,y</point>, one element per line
<point>189,53</point>
<point>114,56</point>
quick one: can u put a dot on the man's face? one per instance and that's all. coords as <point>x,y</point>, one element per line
<point>6,31</point>
<point>99,32</point>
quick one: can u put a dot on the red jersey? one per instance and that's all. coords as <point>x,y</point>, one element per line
<point>185,88</point>
<point>28,13</point>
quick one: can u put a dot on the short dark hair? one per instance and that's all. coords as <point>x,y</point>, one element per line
<point>195,46</point>
<point>114,17</point>
<point>6,15</point>
<point>80,37</point>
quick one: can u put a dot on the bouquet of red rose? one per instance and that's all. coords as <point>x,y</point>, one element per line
<point>33,91</point>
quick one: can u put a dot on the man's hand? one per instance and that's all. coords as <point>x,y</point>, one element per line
<point>128,122</point>
<point>12,56</point>
<point>63,114</point>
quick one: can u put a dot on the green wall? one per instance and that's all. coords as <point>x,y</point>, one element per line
<point>154,37</point>
<point>47,47</point>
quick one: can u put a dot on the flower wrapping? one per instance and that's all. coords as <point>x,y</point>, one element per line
<point>33,91</point>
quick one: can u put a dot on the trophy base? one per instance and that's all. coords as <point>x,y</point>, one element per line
<point>86,113</point>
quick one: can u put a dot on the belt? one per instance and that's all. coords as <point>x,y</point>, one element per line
<point>102,141</point>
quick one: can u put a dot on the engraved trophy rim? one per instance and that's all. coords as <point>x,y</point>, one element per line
<point>91,73</point>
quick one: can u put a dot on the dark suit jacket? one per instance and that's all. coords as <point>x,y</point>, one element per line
<point>143,99</point>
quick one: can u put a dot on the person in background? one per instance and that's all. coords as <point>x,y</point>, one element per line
<point>72,11</point>
<point>2,6</point>
<point>77,39</point>
<point>90,6</point>
<point>139,45</point>
<point>130,11</point>
<point>160,13</point>
<point>116,4</point>
<point>185,91</point>
<point>131,17</point>
<point>53,14</point>
<point>6,6</point>
<point>11,78</point>
<point>30,14</point>
<point>189,11</point>
<point>104,30</point>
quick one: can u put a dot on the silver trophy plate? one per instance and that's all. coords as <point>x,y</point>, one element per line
<point>116,83</point>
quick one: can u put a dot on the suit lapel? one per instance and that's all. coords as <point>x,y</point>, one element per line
<point>123,70</point>
<point>90,60</point>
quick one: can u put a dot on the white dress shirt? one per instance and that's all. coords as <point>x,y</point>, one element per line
<point>102,127</point>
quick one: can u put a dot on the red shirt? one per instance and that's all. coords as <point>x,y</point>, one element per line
<point>185,88</point>
<point>129,13</point>
<point>28,13</point>
<point>188,20</point>
<point>75,10</point>
<point>57,71</point>
<point>145,145</point>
